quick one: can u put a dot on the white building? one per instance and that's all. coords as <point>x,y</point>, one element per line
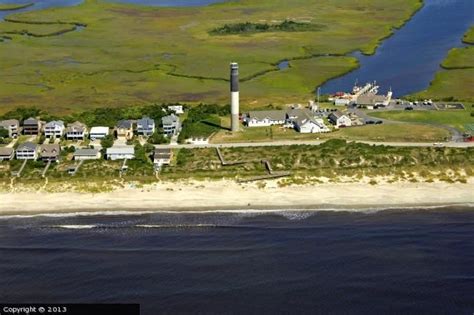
<point>27,151</point>
<point>87,154</point>
<point>339,119</point>
<point>121,152</point>
<point>162,157</point>
<point>76,131</point>
<point>177,109</point>
<point>265,118</point>
<point>145,126</point>
<point>304,121</point>
<point>98,133</point>
<point>54,129</point>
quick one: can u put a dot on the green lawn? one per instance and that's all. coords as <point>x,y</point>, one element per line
<point>131,54</point>
<point>453,118</point>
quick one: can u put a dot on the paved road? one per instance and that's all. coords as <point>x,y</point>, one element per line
<point>312,142</point>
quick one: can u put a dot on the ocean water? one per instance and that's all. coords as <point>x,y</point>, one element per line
<point>398,261</point>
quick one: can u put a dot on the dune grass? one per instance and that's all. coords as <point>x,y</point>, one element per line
<point>132,54</point>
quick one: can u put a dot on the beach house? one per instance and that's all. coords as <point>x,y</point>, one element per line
<point>86,154</point>
<point>177,109</point>
<point>339,119</point>
<point>303,121</point>
<point>145,126</point>
<point>162,157</point>
<point>31,126</point>
<point>76,131</point>
<point>27,151</point>
<point>171,125</point>
<point>124,130</point>
<point>13,127</point>
<point>265,118</point>
<point>50,152</point>
<point>54,129</point>
<point>6,154</point>
<point>120,152</point>
<point>98,133</point>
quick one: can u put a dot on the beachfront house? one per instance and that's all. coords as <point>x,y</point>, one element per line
<point>265,118</point>
<point>121,152</point>
<point>124,130</point>
<point>171,125</point>
<point>76,131</point>
<point>50,152</point>
<point>12,126</point>
<point>6,154</point>
<point>145,126</point>
<point>86,154</point>
<point>177,109</point>
<point>27,151</point>
<point>54,129</point>
<point>162,157</point>
<point>31,126</point>
<point>98,133</point>
<point>339,119</point>
<point>303,121</point>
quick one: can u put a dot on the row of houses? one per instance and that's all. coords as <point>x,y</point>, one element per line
<point>51,152</point>
<point>78,131</point>
<point>302,120</point>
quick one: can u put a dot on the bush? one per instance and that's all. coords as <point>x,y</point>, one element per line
<point>107,142</point>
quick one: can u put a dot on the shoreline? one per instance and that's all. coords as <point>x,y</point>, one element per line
<point>224,195</point>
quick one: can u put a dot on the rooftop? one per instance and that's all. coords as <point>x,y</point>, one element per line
<point>270,114</point>
<point>99,130</point>
<point>125,149</point>
<point>50,150</point>
<point>86,152</point>
<point>4,151</point>
<point>30,146</point>
<point>124,124</point>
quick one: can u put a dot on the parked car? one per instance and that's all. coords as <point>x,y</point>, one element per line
<point>408,108</point>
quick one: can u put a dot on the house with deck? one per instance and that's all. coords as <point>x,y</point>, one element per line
<point>162,157</point>
<point>339,119</point>
<point>121,152</point>
<point>12,126</point>
<point>304,121</point>
<point>171,125</point>
<point>76,131</point>
<point>50,152</point>
<point>265,118</point>
<point>6,154</point>
<point>54,129</point>
<point>27,151</point>
<point>86,154</point>
<point>31,126</point>
<point>124,130</point>
<point>98,133</point>
<point>145,126</point>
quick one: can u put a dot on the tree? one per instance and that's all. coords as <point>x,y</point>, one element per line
<point>157,138</point>
<point>3,133</point>
<point>107,141</point>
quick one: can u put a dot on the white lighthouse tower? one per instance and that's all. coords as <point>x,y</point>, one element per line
<point>234,96</point>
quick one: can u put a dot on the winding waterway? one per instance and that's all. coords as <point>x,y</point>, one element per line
<point>408,60</point>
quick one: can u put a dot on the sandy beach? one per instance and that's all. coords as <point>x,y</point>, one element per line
<point>225,195</point>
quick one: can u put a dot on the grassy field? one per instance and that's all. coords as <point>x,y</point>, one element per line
<point>397,133</point>
<point>456,80</point>
<point>453,118</point>
<point>129,55</point>
<point>14,6</point>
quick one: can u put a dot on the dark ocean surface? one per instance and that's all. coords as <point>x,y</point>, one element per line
<point>399,261</point>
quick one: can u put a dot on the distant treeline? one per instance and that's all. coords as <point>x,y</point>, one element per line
<point>246,28</point>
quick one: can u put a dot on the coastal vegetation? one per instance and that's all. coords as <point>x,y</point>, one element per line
<point>250,28</point>
<point>135,55</point>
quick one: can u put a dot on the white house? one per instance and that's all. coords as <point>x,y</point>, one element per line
<point>162,157</point>
<point>76,131</point>
<point>304,121</point>
<point>265,118</point>
<point>339,119</point>
<point>121,152</point>
<point>86,154</point>
<point>98,133</point>
<point>54,129</point>
<point>145,126</point>
<point>27,151</point>
<point>171,125</point>
<point>177,109</point>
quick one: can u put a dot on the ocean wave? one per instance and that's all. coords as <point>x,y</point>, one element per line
<point>76,227</point>
<point>179,226</point>
<point>290,214</point>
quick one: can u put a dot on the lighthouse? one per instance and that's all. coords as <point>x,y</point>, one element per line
<point>234,96</point>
